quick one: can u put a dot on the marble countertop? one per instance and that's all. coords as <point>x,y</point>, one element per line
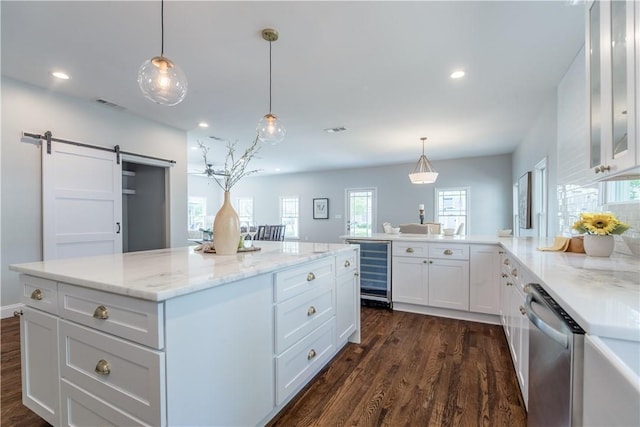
<point>166,273</point>
<point>601,294</point>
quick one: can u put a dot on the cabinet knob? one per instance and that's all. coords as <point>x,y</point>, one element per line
<point>101,312</point>
<point>409,250</point>
<point>311,311</point>
<point>103,367</point>
<point>504,275</point>
<point>311,277</point>
<point>514,272</point>
<point>347,263</point>
<point>448,252</point>
<point>18,313</point>
<point>430,262</point>
<point>522,310</point>
<point>507,262</point>
<point>356,274</point>
<point>602,169</point>
<point>37,295</point>
<point>501,252</point>
<point>311,354</point>
<point>509,284</point>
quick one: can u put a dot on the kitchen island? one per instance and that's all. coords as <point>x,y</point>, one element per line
<point>178,337</point>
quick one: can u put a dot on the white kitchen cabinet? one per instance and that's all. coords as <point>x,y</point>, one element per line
<point>514,319</point>
<point>410,277</point>
<point>431,274</point>
<point>611,388</point>
<point>347,300</point>
<point>449,284</point>
<point>39,352</point>
<point>612,70</point>
<point>484,279</point>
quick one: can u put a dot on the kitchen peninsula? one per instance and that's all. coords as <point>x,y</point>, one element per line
<point>177,337</point>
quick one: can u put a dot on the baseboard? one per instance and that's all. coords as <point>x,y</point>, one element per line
<point>7,310</point>
<point>450,313</point>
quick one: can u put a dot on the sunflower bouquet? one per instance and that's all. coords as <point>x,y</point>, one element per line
<point>600,224</point>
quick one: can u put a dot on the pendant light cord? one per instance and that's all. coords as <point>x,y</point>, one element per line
<point>269,76</point>
<point>162,27</point>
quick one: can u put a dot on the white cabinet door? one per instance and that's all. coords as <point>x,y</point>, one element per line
<point>409,283</point>
<point>522,345</point>
<point>81,201</point>
<point>346,305</point>
<point>484,279</point>
<point>39,358</point>
<point>449,284</point>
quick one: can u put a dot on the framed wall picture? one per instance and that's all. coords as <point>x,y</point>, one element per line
<point>524,201</point>
<point>320,208</point>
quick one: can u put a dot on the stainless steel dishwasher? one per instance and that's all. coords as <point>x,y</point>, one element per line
<point>556,358</point>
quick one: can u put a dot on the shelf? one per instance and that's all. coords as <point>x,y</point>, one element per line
<point>128,173</point>
<point>127,191</point>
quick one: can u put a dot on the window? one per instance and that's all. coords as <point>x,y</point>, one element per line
<point>452,208</point>
<point>622,191</point>
<point>244,207</point>
<point>197,213</point>
<point>361,204</point>
<point>290,216</point>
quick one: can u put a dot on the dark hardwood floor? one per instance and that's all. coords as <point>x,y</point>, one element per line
<point>410,370</point>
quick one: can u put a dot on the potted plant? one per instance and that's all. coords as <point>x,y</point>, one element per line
<point>598,230</point>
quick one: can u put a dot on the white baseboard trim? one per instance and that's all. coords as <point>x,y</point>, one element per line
<point>450,313</point>
<point>7,310</point>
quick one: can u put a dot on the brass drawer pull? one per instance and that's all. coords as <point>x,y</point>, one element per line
<point>311,311</point>
<point>101,312</point>
<point>522,310</point>
<point>504,276</point>
<point>514,272</point>
<point>311,354</point>
<point>509,284</point>
<point>347,263</point>
<point>311,277</point>
<point>410,250</point>
<point>507,262</point>
<point>103,367</point>
<point>448,252</point>
<point>37,295</point>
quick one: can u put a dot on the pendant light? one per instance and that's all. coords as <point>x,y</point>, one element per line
<point>160,80</point>
<point>270,128</point>
<point>423,173</point>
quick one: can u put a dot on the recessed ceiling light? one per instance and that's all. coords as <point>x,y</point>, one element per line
<point>336,129</point>
<point>60,75</point>
<point>277,169</point>
<point>457,74</point>
<point>203,125</point>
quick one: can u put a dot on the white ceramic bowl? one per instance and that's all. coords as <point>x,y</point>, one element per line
<point>394,230</point>
<point>448,231</point>
<point>504,233</point>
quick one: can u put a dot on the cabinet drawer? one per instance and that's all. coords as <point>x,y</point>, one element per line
<point>39,293</point>
<point>134,319</point>
<point>131,378</point>
<point>82,409</point>
<point>346,263</point>
<point>412,249</point>
<point>299,315</point>
<point>297,280</point>
<point>298,364</point>
<point>448,251</point>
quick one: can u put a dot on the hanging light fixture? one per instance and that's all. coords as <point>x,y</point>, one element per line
<point>159,78</point>
<point>423,173</point>
<point>270,128</point>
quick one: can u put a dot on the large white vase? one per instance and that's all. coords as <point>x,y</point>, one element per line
<point>595,245</point>
<point>226,229</point>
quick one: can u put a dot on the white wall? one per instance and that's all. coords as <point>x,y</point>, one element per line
<point>31,109</point>
<point>489,179</point>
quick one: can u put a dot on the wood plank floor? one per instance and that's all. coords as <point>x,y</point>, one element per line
<point>410,370</point>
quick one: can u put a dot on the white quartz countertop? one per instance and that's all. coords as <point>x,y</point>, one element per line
<point>166,273</point>
<point>601,294</point>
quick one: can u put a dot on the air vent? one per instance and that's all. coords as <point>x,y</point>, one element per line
<point>217,138</point>
<point>110,104</point>
<point>335,130</point>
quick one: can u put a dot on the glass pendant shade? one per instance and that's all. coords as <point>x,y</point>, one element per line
<point>270,129</point>
<point>423,173</point>
<point>162,82</point>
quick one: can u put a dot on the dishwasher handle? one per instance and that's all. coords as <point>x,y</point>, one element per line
<point>556,335</point>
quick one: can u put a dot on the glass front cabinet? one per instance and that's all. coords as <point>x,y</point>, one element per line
<point>612,49</point>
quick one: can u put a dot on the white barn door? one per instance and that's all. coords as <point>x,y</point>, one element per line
<point>81,201</point>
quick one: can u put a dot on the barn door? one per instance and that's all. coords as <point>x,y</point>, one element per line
<point>81,201</point>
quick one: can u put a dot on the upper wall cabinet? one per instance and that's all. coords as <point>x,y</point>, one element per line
<point>612,80</point>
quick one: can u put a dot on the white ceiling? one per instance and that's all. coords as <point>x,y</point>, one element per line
<point>380,69</point>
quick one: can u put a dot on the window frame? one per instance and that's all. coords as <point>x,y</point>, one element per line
<point>467,211</point>
<point>292,231</point>
<point>252,219</point>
